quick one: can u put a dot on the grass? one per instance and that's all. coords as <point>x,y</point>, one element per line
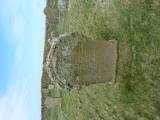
<point>136,26</point>
<point>82,17</point>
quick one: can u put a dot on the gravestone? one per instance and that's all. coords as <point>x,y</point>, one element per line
<point>52,15</point>
<point>83,61</point>
<point>45,91</point>
<point>52,102</point>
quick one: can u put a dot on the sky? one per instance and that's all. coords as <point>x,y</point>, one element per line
<point>22,30</point>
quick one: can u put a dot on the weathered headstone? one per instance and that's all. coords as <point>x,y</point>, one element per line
<point>52,102</point>
<point>94,62</point>
<point>85,61</point>
<point>44,113</point>
<point>45,91</point>
<point>52,15</point>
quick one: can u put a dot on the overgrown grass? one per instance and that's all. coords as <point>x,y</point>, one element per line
<point>84,16</point>
<point>136,26</point>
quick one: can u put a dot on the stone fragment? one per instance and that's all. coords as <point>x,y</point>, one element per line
<point>50,87</point>
<point>52,102</point>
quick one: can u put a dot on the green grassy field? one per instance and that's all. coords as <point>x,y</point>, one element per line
<point>135,95</point>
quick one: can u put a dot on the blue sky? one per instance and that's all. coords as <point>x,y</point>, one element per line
<point>22,28</point>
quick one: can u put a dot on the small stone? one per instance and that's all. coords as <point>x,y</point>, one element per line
<point>51,87</point>
<point>110,83</point>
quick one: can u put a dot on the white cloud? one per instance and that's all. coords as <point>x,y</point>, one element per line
<point>13,105</point>
<point>13,17</point>
<point>22,100</point>
<point>11,7</point>
<point>18,36</point>
<point>18,54</point>
<point>18,28</point>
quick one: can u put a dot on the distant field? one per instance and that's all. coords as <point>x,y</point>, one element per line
<point>135,95</point>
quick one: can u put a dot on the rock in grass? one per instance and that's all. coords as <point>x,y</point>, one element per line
<point>52,102</point>
<point>50,87</point>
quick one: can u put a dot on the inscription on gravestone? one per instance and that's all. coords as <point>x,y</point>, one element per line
<point>85,61</point>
